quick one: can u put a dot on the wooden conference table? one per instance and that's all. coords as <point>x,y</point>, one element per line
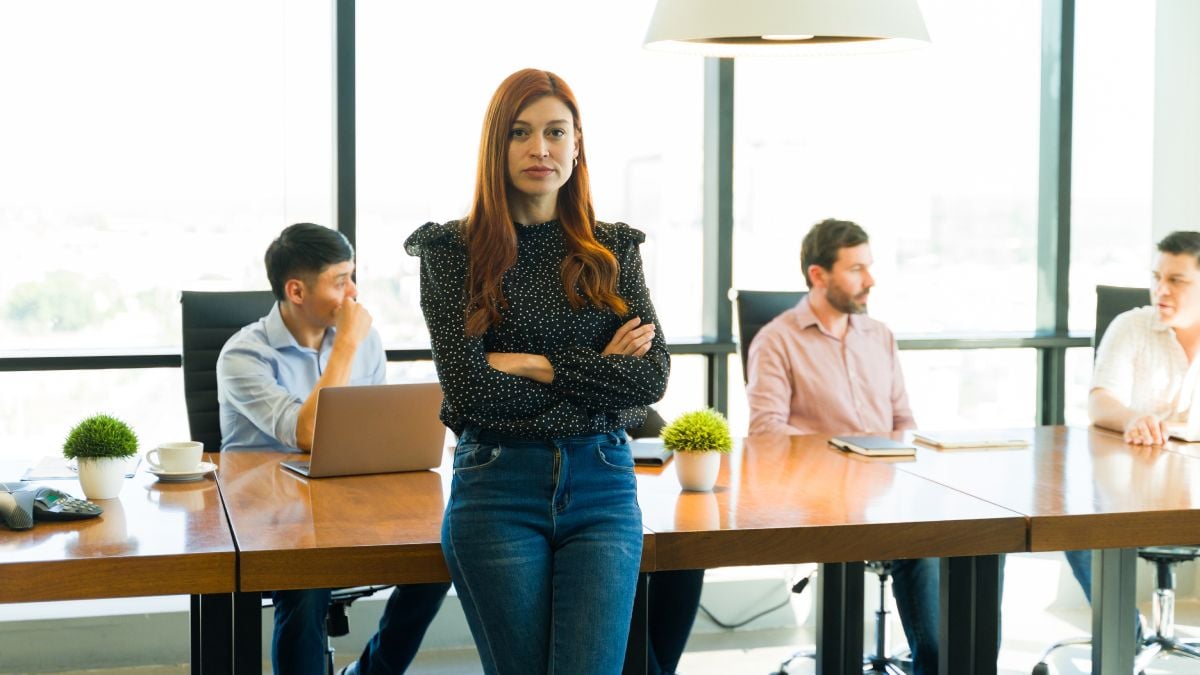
<point>778,500</point>
<point>1084,488</point>
<point>156,539</point>
<point>791,499</point>
<point>773,504</point>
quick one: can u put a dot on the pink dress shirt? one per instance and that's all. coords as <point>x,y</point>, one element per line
<point>802,380</point>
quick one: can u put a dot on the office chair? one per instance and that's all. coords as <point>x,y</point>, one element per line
<point>209,320</point>
<point>756,309</point>
<point>650,427</point>
<point>1111,301</point>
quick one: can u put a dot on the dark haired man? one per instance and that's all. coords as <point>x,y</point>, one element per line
<point>1144,375</point>
<point>824,366</point>
<point>316,335</point>
<point>1141,380</point>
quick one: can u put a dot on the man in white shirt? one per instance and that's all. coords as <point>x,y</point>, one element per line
<point>1144,374</point>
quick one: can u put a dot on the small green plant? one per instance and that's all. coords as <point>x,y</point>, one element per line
<point>100,436</point>
<point>698,431</point>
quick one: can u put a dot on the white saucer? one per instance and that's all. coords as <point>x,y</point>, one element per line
<point>199,472</point>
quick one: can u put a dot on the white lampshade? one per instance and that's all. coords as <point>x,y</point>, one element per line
<point>782,27</point>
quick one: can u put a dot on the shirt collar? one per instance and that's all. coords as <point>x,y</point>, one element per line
<point>278,335</point>
<point>805,317</point>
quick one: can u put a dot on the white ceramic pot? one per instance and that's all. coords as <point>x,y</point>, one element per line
<point>101,477</point>
<point>697,470</point>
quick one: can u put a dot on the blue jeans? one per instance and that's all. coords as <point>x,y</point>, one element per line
<point>671,611</point>
<point>299,641</point>
<point>544,540</point>
<point>1081,567</point>
<point>915,587</point>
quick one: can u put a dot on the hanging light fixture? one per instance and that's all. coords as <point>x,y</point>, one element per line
<point>783,27</point>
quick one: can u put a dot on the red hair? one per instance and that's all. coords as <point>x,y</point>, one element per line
<point>490,232</point>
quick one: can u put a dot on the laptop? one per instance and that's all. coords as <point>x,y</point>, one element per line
<point>381,428</point>
<point>951,440</point>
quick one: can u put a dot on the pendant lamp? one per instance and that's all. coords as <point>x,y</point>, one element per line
<point>785,27</point>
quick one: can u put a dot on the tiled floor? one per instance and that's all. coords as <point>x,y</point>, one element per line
<point>1031,621</point>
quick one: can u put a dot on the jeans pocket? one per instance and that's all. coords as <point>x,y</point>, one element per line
<point>618,458</point>
<point>469,457</point>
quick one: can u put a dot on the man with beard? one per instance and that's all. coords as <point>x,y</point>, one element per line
<point>825,367</point>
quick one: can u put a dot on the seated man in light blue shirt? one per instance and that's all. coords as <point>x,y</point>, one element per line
<point>316,335</point>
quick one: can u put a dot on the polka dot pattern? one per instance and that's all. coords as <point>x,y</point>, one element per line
<point>590,393</point>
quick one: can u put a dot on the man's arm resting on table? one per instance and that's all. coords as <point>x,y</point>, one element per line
<point>1106,410</point>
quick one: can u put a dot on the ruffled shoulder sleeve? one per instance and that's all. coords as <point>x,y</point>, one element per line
<point>435,236</point>
<point>618,237</point>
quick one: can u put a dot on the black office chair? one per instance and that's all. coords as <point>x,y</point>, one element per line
<point>209,320</point>
<point>651,427</point>
<point>1111,301</point>
<point>756,309</point>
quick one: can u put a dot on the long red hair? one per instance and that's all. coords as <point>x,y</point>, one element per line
<point>490,232</point>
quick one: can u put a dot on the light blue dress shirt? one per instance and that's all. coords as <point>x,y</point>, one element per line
<point>264,376</point>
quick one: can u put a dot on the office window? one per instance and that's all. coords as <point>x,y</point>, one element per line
<point>151,147</point>
<point>933,151</point>
<point>1113,152</point>
<point>422,93</point>
<point>1079,382</point>
<point>687,389</point>
<point>971,388</point>
<point>411,371</point>
<point>42,406</point>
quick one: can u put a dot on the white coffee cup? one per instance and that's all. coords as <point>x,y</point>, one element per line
<point>176,457</point>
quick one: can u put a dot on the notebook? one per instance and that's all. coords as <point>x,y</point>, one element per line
<point>379,428</point>
<point>873,446</point>
<point>649,451</point>
<point>969,439</point>
<point>1188,432</point>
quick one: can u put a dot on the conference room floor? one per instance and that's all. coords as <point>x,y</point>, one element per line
<point>1029,622</point>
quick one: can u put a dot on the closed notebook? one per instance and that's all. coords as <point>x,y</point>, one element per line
<point>649,451</point>
<point>1188,432</point>
<point>949,440</point>
<point>873,446</point>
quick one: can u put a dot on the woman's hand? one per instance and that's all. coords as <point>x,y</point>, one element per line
<point>1146,430</point>
<point>631,339</point>
<point>532,366</point>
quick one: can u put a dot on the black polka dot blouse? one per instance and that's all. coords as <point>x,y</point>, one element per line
<point>590,393</point>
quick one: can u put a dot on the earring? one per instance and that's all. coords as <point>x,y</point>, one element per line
<point>576,162</point>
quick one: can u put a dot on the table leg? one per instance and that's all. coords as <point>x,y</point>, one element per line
<point>840,618</point>
<point>1114,585</point>
<point>212,647</point>
<point>636,653</point>
<point>970,615</point>
<point>197,653</point>
<point>247,633</point>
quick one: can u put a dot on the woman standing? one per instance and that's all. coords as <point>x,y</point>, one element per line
<point>546,346</point>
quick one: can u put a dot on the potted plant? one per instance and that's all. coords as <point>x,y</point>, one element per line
<point>101,444</point>
<point>698,439</point>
